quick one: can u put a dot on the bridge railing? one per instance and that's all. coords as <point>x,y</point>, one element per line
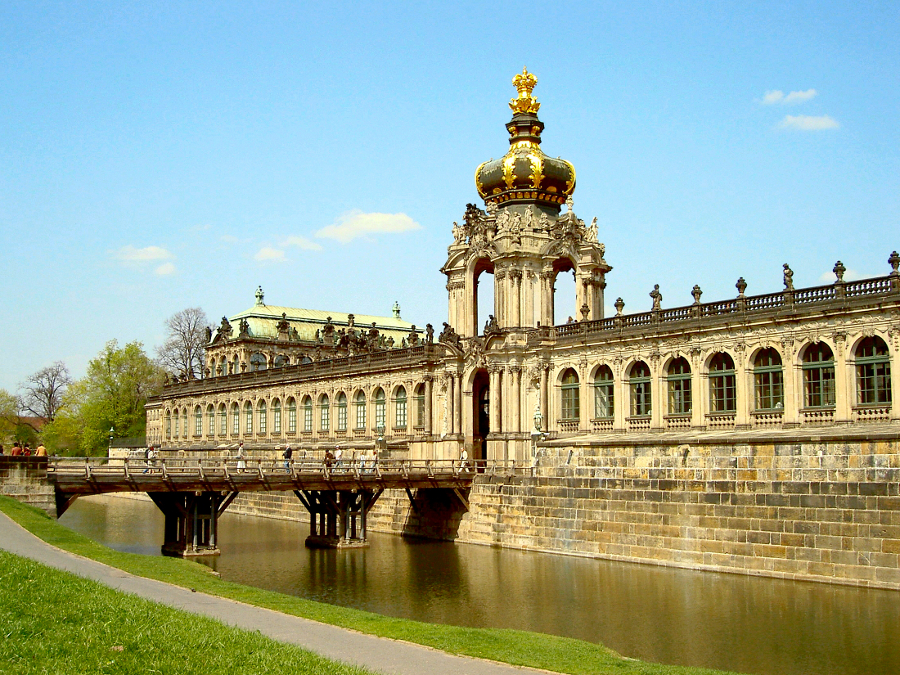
<point>218,468</point>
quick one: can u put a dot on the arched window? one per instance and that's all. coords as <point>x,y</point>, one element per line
<point>169,424</point>
<point>236,365</point>
<point>420,405</point>
<point>184,423</point>
<point>678,380</point>
<point>292,415</point>
<point>248,418</point>
<point>235,419</point>
<point>768,380</point>
<point>307,414</point>
<point>261,416</point>
<point>603,394</point>
<point>639,384</point>
<point>570,397</point>
<point>223,420</point>
<point>276,416</point>
<point>360,410</point>
<point>380,410</point>
<point>198,421</point>
<point>177,416</point>
<point>211,420</point>
<point>324,413</point>
<point>818,376</point>
<point>257,361</point>
<point>281,360</point>
<point>400,408</point>
<point>873,372</point>
<point>340,403</point>
<point>721,384</point>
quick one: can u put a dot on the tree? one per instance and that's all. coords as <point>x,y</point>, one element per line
<point>183,352</point>
<point>9,415</point>
<point>43,391</point>
<point>110,396</point>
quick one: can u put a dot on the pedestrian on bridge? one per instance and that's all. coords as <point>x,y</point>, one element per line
<point>288,455</point>
<point>338,458</point>
<point>241,464</point>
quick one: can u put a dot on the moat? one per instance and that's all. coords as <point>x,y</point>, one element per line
<point>732,622</point>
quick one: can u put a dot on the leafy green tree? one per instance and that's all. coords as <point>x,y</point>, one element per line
<point>110,396</point>
<point>9,417</point>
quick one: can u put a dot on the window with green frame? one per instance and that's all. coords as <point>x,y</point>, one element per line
<point>420,405</point>
<point>722,384</point>
<point>873,372</point>
<point>211,420</point>
<point>248,418</point>
<point>603,393</point>
<point>818,376</point>
<point>261,417</point>
<point>276,416</point>
<point>307,414</point>
<point>570,396</point>
<point>639,384</point>
<point>340,404</point>
<point>400,408</point>
<point>768,380</point>
<point>360,409</point>
<point>380,409</point>
<point>292,415</point>
<point>324,413</point>
<point>678,381</point>
<point>198,421</point>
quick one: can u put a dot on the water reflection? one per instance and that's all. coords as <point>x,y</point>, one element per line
<point>739,623</point>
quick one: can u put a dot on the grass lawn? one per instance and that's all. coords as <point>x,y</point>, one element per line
<point>56,622</point>
<point>558,654</point>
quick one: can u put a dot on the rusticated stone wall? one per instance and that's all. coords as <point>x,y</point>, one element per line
<point>25,479</point>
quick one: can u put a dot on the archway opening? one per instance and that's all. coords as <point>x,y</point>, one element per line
<point>564,292</point>
<point>483,305</point>
<point>481,414</point>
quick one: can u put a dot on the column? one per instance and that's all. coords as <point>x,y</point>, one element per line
<point>547,278</point>
<point>843,391</point>
<point>500,309</point>
<point>741,398</point>
<point>621,398</point>
<point>495,421</point>
<point>529,299</point>
<point>793,387</point>
<point>658,391</point>
<point>545,398</point>
<point>516,425</point>
<point>584,399</point>
<point>458,406</point>
<point>515,297</point>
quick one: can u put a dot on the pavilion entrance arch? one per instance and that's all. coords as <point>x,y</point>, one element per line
<point>479,418</point>
<point>480,296</point>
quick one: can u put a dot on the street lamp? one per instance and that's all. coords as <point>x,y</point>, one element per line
<point>112,432</point>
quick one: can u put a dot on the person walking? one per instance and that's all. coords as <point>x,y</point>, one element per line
<point>338,458</point>
<point>288,455</point>
<point>464,460</point>
<point>241,464</point>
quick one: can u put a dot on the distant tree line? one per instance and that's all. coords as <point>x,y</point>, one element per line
<point>78,417</point>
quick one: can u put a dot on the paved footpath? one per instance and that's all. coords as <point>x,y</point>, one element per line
<point>379,654</point>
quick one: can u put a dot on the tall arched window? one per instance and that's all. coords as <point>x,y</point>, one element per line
<point>570,396</point>
<point>721,384</point>
<point>257,361</point>
<point>235,419</point>
<point>292,415</point>
<point>276,416</point>
<point>324,413</point>
<point>248,418</point>
<point>768,380</point>
<point>380,417</point>
<point>261,417</point>
<point>818,376</point>
<point>400,408</point>
<point>211,420</point>
<point>307,414</point>
<point>198,421</point>
<point>639,384</point>
<point>420,405</point>
<point>603,394</point>
<point>360,410</point>
<point>169,424</point>
<point>873,372</point>
<point>340,404</point>
<point>184,423</point>
<point>678,380</point>
<point>223,420</point>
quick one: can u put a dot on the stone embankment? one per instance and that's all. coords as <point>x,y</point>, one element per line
<point>25,479</point>
<point>814,508</point>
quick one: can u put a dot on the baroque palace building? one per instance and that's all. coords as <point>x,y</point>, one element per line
<point>792,359</point>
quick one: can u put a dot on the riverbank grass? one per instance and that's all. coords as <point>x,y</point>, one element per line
<point>56,622</point>
<point>536,650</point>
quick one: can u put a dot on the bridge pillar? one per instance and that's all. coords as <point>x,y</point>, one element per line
<point>191,521</point>
<point>337,518</point>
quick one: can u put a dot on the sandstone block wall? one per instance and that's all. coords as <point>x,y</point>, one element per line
<point>25,479</point>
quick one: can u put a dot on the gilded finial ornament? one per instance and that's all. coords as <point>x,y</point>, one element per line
<point>524,83</point>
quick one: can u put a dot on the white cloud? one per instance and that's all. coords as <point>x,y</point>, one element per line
<point>358,224</point>
<point>777,96</point>
<point>131,254</point>
<point>270,254</point>
<point>800,96</point>
<point>808,123</point>
<point>302,243</point>
<point>165,269</point>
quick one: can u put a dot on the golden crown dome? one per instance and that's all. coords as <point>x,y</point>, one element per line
<point>525,174</point>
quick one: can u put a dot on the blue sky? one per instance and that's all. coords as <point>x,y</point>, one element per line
<point>157,156</point>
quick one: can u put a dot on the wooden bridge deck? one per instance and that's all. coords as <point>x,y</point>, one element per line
<point>83,476</point>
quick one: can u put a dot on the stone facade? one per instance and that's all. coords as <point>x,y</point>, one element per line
<point>25,479</point>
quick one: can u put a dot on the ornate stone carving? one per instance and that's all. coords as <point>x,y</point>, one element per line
<point>657,298</point>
